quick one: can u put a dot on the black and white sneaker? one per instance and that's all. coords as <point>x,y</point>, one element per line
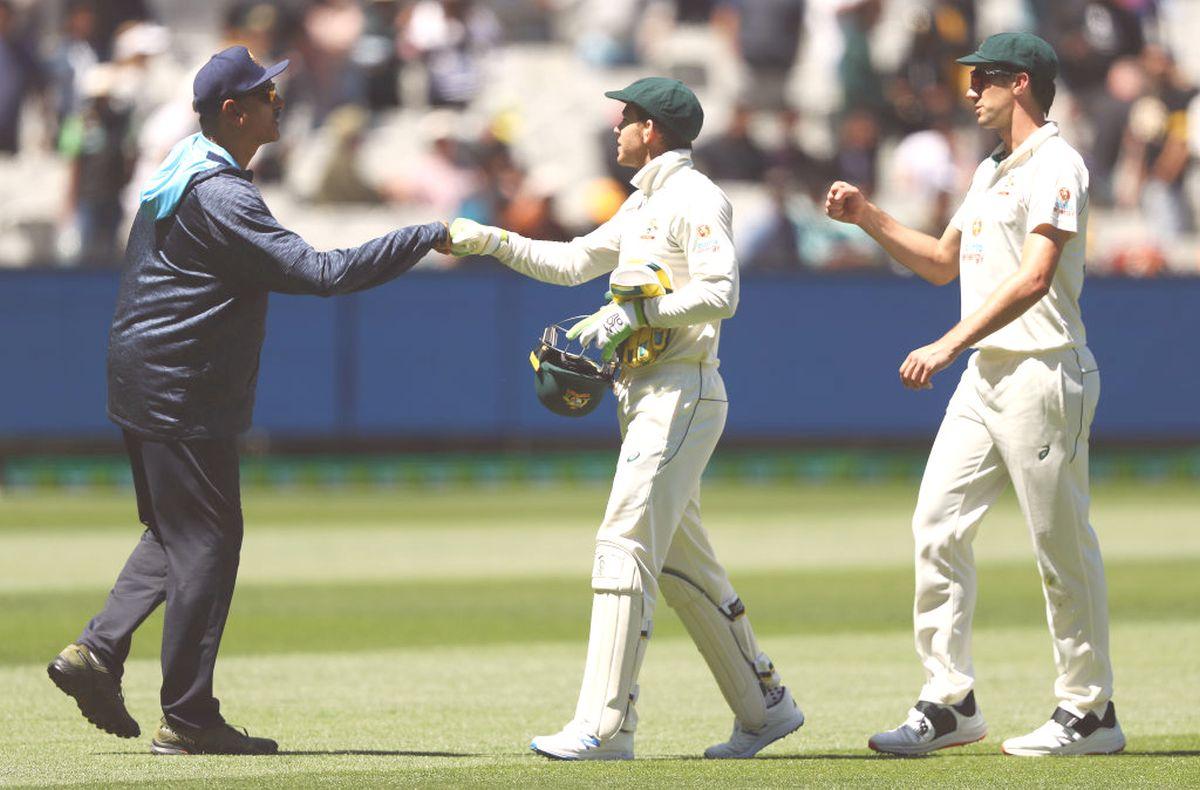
<point>931,726</point>
<point>1068,734</point>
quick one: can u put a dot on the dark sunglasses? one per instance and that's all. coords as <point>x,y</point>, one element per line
<point>267,92</point>
<point>981,78</point>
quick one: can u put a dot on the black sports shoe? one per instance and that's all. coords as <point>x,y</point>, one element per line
<point>221,739</point>
<point>81,674</point>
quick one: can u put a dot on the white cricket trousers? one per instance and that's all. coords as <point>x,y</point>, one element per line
<point>1024,417</point>
<point>671,417</point>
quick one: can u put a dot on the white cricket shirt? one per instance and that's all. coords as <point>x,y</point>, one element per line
<point>1043,182</point>
<point>677,218</point>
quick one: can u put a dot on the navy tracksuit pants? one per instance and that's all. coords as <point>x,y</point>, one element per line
<point>189,498</point>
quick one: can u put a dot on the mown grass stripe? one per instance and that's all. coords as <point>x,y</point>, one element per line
<point>341,617</point>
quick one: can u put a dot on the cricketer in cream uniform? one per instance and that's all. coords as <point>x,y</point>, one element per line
<point>1021,412</point>
<point>671,412</point>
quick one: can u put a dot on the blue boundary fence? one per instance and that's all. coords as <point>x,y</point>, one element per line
<point>444,356</point>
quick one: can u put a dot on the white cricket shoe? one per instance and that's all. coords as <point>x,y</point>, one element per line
<point>931,726</point>
<point>1068,734</point>
<point>783,718</point>
<point>574,744</point>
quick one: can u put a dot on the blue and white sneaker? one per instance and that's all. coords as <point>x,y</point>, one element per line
<point>574,744</point>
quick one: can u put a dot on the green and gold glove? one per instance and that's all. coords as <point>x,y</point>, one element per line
<point>468,237</point>
<point>606,328</point>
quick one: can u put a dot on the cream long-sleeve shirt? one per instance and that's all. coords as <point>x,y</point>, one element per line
<point>677,218</point>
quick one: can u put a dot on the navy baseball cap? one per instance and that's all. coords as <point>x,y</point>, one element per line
<point>229,73</point>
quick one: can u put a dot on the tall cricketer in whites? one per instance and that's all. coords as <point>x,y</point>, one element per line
<point>1021,412</point>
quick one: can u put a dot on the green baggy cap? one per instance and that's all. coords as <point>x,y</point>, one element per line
<point>1022,51</point>
<point>666,101</point>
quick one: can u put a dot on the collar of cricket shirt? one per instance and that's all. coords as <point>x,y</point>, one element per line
<point>1024,150</point>
<point>656,172</point>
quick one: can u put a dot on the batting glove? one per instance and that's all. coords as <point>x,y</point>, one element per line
<point>606,328</point>
<point>468,237</point>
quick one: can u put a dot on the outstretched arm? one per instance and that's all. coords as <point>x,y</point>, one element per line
<point>559,263</point>
<point>1022,290</point>
<point>934,260</point>
<point>262,252</point>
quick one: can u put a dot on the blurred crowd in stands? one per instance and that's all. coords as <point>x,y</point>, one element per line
<point>429,109</point>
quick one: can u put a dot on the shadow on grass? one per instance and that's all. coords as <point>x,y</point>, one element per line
<point>307,753</point>
<point>1163,753</point>
<point>374,753</point>
<point>764,757</point>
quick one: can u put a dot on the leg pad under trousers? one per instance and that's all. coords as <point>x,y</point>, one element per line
<point>621,626</point>
<point>724,637</point>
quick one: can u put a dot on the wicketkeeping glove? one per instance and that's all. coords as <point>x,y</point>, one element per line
<point>468,237</point>
<point>606,328</point>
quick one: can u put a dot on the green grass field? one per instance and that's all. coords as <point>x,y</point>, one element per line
<point>422,637</point>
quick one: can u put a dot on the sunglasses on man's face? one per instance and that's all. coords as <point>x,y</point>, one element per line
<point>268,93</point>
<point>981,78</point>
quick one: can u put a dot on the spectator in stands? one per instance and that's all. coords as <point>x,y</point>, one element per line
<point>924,174</point>
<point>341,179</point>
<point>1159,127</point>
<point>72,58</point>
<point>499,176</point>
<point>452,38</point>
<point>733,155</point>
<point>111,17</point>
<point>327,77</point>
<point>607,31</point>
<point>20,75</point>
<point>766,35</point>
<point>1109,115</point>
<point>811,174</point>
<point>97,142</point>
<point>862,87</point>
<point>377,55</point>
<point>1090,35</point>
<point>444,176</point>
<point>858,148</point>
<point>770,243</point>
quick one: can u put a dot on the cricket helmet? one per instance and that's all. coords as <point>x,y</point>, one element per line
<point>566,379</point>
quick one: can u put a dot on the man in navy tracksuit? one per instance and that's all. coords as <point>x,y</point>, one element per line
<point>203,255</point>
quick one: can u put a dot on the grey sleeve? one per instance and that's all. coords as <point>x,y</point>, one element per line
<point>252,247</point>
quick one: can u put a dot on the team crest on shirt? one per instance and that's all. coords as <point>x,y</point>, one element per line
<point>705,241</point>
<point>651,231</point>
<point>1062,204</point>
<point>976,227</point>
